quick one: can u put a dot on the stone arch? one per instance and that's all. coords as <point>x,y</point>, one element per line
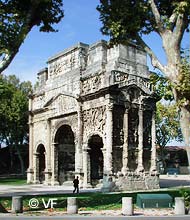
<point>96,158</point>
<point>40,162</point>
<point>38,143</point>
<point>92,134</point>
<point>64,153</point>
<point>59,125</point>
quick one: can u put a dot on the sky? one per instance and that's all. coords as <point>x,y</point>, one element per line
<point>80,24</point>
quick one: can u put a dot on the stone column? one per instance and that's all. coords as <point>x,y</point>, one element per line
<point>54,160</point>
<point>140,167</point>
<point>86,180</point>
<point>48,155</point>
<point>78,147</point>
<point>36,168</point>
<point>125,144</point>
<point>153,148</point>
<point>30,170</point>
<point>104,158</point>
<point>109,138</point>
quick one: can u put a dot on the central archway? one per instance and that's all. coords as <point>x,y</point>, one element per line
<point>96,159</point>
<point>66,153</point>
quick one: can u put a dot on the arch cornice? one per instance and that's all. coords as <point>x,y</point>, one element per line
<point>67,94</point>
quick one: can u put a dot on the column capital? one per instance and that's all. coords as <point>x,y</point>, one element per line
<point>86,149</point>
<point>55,144</point>
<point>140,108</point>
<point>109,106</point>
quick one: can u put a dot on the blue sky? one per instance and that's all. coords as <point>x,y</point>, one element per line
<point>80,24</point>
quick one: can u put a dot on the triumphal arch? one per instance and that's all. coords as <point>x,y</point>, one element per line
<point>93,115</point>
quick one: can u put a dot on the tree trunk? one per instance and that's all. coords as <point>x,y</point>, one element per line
<point>185,127</point>
<point>11,157</point>
<point>22,168</point>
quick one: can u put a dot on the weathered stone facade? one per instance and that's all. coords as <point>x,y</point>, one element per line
<point>93,115</point>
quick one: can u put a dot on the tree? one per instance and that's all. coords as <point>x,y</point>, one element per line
<point>127,21</point>
<point>18,17</point>
<point>14,115</point>
<point>167,126</point>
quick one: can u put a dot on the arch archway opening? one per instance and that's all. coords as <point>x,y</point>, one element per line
<point>96,159</point>
<point>65,154</point>
<point>41,165</point>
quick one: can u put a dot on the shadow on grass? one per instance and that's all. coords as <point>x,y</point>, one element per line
<point>12,181</point>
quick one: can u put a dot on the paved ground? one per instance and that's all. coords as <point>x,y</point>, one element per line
<point>146,214</point>
<point>6,190</point>
<point>99,218</point>
<point>174,181</point>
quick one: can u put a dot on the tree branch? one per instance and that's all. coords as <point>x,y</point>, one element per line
<point>156,16</point>
<point>172,20</point>
<point>154,60</point>
<point>6,60</point>
<point>180,28</point>
<point>19,39</point>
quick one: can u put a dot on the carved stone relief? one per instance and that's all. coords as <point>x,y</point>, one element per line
<point>64,64</point>
<point>94,120</point>
<point>126,79</point>
<point>93,84</point>
<point>38,102</point>
<point>64,104</point>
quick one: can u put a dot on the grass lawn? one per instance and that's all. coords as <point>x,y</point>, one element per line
<point>12,181</point>
<point>86,201</point>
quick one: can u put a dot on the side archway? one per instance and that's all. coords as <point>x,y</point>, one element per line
<point>95,145</point>
<point>40,162</point>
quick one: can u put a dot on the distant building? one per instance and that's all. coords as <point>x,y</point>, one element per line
<point>176,159</point>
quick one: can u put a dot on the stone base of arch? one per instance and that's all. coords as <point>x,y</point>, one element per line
<point>48,175</point>
<point>30,175</point>
<point>130,181</point>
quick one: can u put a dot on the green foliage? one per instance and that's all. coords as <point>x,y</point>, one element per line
<point>18,17</point>
<point>12,181</point>
<point>13,109</point>
<point>86,201</point>
<point>186,194</point>
<point>183,87</point>
<point>123,20</point>
<point>14,113</point>
<point>162,86</point>
<point>167,124</point>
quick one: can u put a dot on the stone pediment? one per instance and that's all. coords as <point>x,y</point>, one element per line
<point>62,103</point>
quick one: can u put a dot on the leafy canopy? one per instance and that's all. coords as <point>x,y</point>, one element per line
<point>167,124</point>
<point>18,17</point>
<point>127,20</point>
<point>14,110</point>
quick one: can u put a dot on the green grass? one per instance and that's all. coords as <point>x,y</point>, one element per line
<point>86,201</point>
<point>12,181</point>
